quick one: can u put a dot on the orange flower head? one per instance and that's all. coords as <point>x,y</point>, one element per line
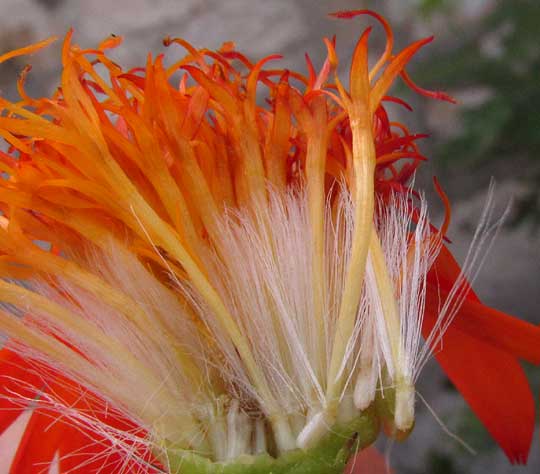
<point>201,280</point>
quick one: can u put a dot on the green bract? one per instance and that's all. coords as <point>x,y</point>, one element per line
<point>330,456</point>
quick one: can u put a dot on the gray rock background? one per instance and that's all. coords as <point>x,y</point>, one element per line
<point>510,278</point>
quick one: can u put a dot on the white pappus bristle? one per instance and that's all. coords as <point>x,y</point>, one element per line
<point>160,355</point>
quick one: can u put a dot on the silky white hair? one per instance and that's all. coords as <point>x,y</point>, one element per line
<point>139,348</point>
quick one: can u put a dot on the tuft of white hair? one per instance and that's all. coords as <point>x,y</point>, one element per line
<point>156,352</point>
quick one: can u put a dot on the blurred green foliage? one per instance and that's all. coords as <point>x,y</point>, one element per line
<point>441,463</point>
<point>428,7</point>
<point>501,56</point>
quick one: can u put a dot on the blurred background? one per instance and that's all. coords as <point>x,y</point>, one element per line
<point>486,54</point>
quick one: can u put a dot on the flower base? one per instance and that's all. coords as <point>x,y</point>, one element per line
<point>330,456</point>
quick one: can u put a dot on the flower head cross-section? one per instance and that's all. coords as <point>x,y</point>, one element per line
<point>222,266</point>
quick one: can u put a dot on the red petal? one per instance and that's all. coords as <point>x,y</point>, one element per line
<point>13,370</point>
<point>368,461</point>
<point>10,438</point>
<point>82,452</point>
<point>494,385</point>
<point>39,443</point>
<point>48,433</point>
<point>445,271</point>
<point>520,338</point>
<point>489,378</point>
